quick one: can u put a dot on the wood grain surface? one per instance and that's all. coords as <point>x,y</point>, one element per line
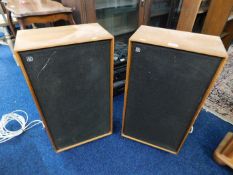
<point>198,43</point>
<point>22,8</point>
<point>54,36</point>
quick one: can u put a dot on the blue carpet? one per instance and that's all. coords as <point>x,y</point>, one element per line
<point>32,153</point>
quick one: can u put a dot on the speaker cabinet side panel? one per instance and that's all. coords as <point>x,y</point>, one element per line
<point>165,87</point>
<point>72,85</point>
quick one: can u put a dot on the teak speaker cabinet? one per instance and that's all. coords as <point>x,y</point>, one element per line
<point>169,75</point>
<point>70,79</point>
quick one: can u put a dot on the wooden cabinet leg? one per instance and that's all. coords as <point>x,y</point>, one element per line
<point>21,23</point>
<point>224,152</point>
<point>10,22</point>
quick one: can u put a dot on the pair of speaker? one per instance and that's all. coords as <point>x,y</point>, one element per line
<point>69,71</point>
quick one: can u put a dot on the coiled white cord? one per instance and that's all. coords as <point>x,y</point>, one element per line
<point>6,134</point>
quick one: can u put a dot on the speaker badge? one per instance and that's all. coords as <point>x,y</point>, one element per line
<point>138,49</point>
<point>29,59</point>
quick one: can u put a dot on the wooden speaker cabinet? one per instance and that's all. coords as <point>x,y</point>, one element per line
<point>69,71</point>
<point>169,75</point>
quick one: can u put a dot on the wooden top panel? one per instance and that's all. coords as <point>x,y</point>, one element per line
<point>22,8</point>
<point>59,36</point>
<point>193,42</point>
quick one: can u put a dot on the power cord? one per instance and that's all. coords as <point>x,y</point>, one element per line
<point>6,134</point>
<point>191,130</point>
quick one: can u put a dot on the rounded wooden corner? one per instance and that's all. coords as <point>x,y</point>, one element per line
<point>216,157</point>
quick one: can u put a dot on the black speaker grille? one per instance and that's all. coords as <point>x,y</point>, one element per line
<point>72,85</point>
<point>165,88</point>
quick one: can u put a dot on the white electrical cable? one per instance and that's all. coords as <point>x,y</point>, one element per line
<point>6,134</point>
<point>191,130</point>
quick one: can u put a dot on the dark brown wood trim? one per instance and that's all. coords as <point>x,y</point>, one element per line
<point>229,34</point>
<point>144,12</point>
<point>24,21</point>
<point>10,22</point>
<point>90,11</point>
<point>78,9</point>
<point>83,11</point>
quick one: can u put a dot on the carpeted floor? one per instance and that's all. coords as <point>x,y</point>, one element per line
<point>32,153</point>
<point>220,100</point>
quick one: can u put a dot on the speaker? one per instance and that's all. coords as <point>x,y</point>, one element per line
<point>169,75</point>
<point>69,71</point>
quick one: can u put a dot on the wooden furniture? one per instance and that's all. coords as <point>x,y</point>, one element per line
<point>10,20</point>
<point>83,11</point>
<point>89,11</point>
<point>125,15</point>
<point>4,24</point>
<point>38,11</point>
<point>188,15</point>
<point>161,65</point>
<point>191,10</point>
<point>173,15</point>
<point>162,13</point>
<point>69,71</point>
<point>158,9</point>
<point>144,13</point>
<point>224,152</point>
<point>120,17</point>
<point>217,21</point>
<point>227,35</point>
<point>218,16</point>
